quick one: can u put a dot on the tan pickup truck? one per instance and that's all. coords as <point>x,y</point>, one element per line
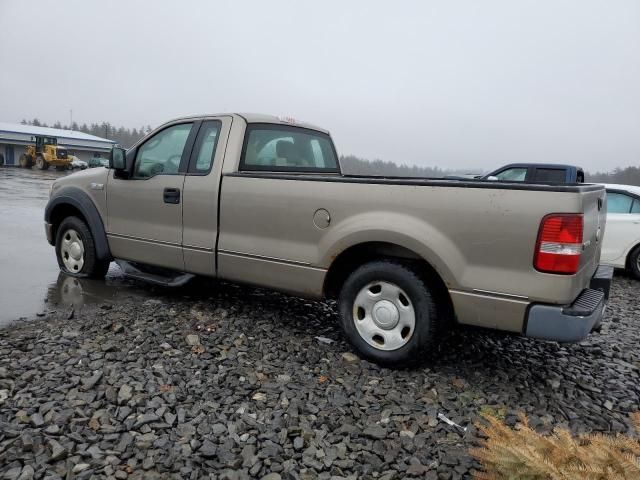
<point>261,200</point>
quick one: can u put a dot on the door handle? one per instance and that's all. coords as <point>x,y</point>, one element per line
<point>171,195</point>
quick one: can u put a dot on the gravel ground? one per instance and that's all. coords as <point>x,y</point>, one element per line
<point>234,383</point>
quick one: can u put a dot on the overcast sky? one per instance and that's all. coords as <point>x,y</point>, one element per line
<point>457,84</point>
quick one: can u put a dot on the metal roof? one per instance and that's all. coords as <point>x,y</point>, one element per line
<point>258,118</point>
<point>50,132</point>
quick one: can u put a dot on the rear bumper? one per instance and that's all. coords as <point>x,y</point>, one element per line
<point>572,323</point>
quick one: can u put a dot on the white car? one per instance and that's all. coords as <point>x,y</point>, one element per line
<point>621,244</point>
<point>77,163</point>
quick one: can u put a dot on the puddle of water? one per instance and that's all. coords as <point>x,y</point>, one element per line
<point>115,287</point>
<point>30,280</point>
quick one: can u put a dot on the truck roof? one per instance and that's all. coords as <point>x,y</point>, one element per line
<point>259,118</point>
<point>540,165</point>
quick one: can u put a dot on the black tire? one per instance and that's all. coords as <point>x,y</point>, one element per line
<point>1,160</point>
<point>91,266</point>
<point>41,163</point>
<point>633,262</point>
<point>25,161</point>
<point>427,326</point>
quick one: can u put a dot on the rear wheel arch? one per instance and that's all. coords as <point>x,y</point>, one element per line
<point>357,255</point>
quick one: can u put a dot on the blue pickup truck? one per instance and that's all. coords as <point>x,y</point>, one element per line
<point>537,173</point>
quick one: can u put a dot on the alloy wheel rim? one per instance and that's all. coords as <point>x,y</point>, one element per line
<point>72,251</point>
<point>384,315</point>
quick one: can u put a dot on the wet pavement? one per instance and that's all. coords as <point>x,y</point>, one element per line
<point>30,281</point>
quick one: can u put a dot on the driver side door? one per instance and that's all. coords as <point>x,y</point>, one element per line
<point>144,211</point>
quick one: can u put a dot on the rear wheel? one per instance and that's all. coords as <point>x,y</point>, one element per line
<point>634,262</point>
<point>41,163</point>
<point>25,161</point>
<point>388,313</point>
<point>76,251</point>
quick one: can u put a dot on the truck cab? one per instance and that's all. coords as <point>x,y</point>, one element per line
<point>537,173</point>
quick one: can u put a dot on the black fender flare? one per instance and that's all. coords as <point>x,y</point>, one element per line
<point>75,197</point>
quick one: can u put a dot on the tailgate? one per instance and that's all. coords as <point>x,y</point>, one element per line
<point>594,208</point>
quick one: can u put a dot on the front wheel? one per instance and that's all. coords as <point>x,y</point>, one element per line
<point>634,262</point>
<point>388,313</point>
<point>76,251</point>
<point>41,163</point>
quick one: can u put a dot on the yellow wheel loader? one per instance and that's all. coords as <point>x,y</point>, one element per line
<point>44,154</point>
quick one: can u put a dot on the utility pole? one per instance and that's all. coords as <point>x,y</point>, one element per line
<point>71,119</point>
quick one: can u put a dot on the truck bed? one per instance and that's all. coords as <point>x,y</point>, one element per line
<point>479,236</point>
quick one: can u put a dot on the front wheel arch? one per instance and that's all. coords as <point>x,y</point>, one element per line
<point>71,201</point>
<point>77,256</point>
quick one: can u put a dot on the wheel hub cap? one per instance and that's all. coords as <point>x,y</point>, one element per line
<point>76,251</point>
<point>385,314</point>
<point>72,251</point>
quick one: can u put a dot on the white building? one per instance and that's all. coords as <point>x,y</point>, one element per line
<point>15,137</point>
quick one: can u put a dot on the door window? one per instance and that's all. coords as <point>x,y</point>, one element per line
<point>205,147</point>
<point>635,208</point>
<point>618,203</point>
<point>512,175</point>
<point>162,153</point>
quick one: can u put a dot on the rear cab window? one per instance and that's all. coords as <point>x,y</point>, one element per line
<point>284,148</point>
<point>550,175</point>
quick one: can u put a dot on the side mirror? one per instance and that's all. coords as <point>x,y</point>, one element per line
<point>492,178</point>
<point>118,158</point>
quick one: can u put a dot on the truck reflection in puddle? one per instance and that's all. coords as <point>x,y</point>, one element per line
<point>118,288</point>
<point>79,291</point>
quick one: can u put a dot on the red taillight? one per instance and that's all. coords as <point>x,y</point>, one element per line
<point>559,244</point>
